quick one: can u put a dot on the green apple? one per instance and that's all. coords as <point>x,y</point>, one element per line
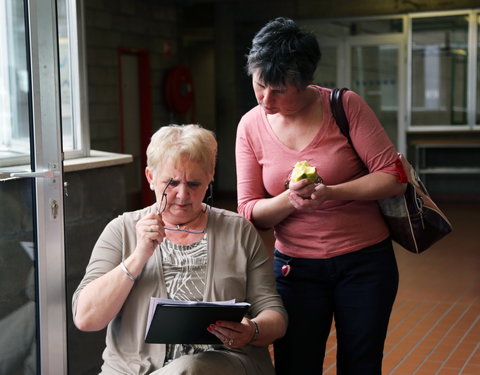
<point>303,170</point>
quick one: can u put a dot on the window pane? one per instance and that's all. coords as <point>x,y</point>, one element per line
<point>343,28</point>
<point>14,83</point>
<point>374,73</point>
<point>71,140</point>
<point>439,70</point>
<point>326,73</point>
<point>375,27</point>
<point>18,297</point>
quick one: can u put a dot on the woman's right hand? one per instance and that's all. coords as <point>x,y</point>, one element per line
<point>103,298</point>
<point>307,196</point>
<point>150,233</point>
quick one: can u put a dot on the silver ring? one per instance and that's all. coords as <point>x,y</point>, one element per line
<point>230,342</point>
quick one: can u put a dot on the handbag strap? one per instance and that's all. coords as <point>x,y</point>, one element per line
<point>338,112</point>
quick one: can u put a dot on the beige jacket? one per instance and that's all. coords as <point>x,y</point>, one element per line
<point>238,268</point>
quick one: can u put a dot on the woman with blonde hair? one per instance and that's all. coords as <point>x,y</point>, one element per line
<point>183,249</point>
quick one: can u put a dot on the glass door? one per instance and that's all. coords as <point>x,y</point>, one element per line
<point>32,291</point>
<point>376,73</point>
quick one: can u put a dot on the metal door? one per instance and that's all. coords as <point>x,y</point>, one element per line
<point>32,288</point>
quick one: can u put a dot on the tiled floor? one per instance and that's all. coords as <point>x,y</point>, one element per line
<point>435,325</point>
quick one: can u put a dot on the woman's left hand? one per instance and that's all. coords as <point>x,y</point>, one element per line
<point>233,334</point>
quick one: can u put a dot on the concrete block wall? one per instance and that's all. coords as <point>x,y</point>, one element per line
<point>94,198</point>
<point>110,25</point>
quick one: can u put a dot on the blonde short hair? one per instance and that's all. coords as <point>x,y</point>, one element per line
<point>175,142</point>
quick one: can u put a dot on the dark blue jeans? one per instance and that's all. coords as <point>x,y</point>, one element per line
<point>357,290</point>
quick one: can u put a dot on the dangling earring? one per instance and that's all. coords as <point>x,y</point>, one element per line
<point>152,187</point>
<point>209,196</point>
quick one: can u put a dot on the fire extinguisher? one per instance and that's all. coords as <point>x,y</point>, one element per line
<point>178,89</point>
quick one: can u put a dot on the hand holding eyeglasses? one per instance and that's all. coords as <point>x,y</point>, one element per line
<point>150,232</point>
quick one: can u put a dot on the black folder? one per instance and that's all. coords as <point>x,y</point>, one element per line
<point>187,323</point>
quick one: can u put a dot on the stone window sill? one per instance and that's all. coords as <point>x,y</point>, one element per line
<point>97,159</point>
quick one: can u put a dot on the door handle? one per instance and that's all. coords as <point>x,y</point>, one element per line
<point>49,173</point>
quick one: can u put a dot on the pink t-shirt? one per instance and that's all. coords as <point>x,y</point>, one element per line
<point>336,227</point>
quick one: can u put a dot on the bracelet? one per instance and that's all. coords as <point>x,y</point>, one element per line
<point>257,330</point>
<point>129,275</point>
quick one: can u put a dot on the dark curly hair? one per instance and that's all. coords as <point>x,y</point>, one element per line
<point>284,54</point>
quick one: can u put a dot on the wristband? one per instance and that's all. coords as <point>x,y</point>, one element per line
<point>257,331</point>
<point>129,275</point>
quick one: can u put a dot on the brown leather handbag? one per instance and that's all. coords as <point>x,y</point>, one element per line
<point>415,221</point>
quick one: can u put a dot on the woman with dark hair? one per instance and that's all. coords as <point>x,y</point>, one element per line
<point>333,257</point>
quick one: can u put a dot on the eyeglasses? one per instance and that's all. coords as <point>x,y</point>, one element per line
<point>180,228</point>
<point>163,206</point>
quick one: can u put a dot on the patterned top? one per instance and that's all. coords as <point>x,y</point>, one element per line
<point>184,269</point>
<point>235,252</point>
